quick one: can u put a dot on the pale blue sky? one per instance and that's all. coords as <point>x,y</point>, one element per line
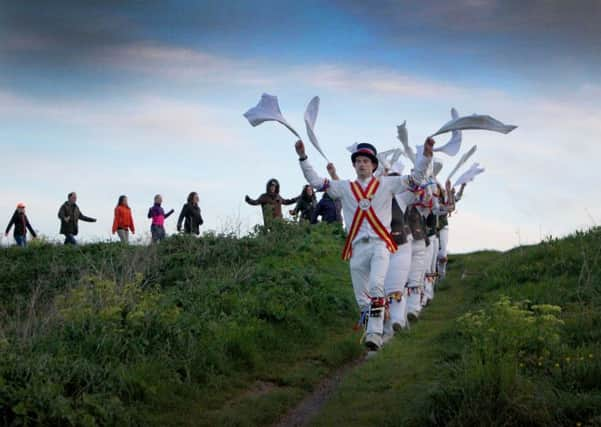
<point>109,98</point>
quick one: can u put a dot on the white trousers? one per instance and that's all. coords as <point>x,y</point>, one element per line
<point>431,258</point>
<point>444,241</point>
<point>398,269</point>
<point>442,251</point>
<point>369,265</point>
<point>416,275</point>
<point>396,279</point>
<point>434,257</point>
<point>428,256</point>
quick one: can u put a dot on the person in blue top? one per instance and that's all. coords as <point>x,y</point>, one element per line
<point>328,209</point>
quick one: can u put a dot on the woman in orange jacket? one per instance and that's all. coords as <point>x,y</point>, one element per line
<point>123,222</point>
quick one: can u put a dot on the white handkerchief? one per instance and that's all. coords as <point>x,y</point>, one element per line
<point>267,110</point>
<point>352,148</point>
<point>437,167</point>
<point>462,161</point>
<point>475,121</point>
<point>397,167</point>
<point>452,147</point>
<point>403,136</point>
<point>310,119</point>
<point>469,175</point>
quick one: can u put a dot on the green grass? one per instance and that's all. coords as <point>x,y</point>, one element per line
<point>236,331</point>
<point>181,333</point>
<point>512,339</point>
<point>383,391</point>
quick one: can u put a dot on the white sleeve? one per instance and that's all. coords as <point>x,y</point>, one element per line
<point>405,182</point>
<point>318,183</point>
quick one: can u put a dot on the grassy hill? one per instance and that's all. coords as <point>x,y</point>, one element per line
<point>228,331</point>
<point>192,331</point>
<point>512,339</point>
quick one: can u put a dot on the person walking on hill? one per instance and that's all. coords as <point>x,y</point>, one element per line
<point>305,206</point>
<point>367,210</point>
<point>271,202</point>
<point>190,216</point>
<point>21,223</point>
<point>70,215</point>
<point>328,209</point>
<point>158,217</point>
<point>123,222</point>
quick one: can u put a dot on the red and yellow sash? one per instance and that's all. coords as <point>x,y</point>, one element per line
<point>365,210</point>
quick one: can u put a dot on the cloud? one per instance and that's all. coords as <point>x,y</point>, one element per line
<point>144,120</point>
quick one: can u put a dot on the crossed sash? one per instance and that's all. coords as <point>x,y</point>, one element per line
<point>366,211</point>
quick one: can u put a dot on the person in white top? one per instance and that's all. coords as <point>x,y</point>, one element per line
<point>367,211</point>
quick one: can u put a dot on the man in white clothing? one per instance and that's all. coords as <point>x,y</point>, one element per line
<point>367,210</point>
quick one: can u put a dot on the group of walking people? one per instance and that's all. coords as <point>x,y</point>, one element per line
<point>69,214</point>
<point>397,235</point>
<point>306,209</point>
<point>190,219</point>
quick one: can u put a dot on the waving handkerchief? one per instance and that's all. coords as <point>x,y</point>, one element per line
<point>462,161</point>
<point>475,121</point>
<point>267,110</point>
<point>452,147</point>
<point>352,148</point>
<point>403,136</point>
<point>310,119</point>
<point>397,167</point>
<point>437,167</point>
<point>469,175</point>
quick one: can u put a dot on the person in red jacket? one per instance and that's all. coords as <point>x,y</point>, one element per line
<point>123,222</point>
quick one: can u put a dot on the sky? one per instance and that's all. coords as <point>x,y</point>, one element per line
<point>143,97</point>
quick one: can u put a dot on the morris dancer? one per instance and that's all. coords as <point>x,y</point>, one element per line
<point>431,256</point>
<point>447,207</point>
<point>400,263</point>
<point>367,207</point>
<point>415,282</point>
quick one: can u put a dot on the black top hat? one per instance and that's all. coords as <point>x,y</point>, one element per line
<point>367,150</point>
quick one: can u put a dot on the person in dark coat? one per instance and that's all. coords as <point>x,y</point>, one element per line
<point>190,216</point>
<point>328,209</point>
<point>21,224</point>
<point>70,215</point>
<point>305,206</point>
<point>271,202</point>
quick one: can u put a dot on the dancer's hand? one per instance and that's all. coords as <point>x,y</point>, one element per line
<point>300,149</point>
<point>428,147</point>
<point>332,171</point>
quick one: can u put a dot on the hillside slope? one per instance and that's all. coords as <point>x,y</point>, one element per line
<point>192,331</point>
<point>512,339</point>
<point>228,331</point>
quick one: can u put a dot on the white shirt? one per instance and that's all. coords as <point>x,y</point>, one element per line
<point>381,201</point>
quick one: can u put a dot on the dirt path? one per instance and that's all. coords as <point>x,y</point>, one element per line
<point>310,406</point>
<point>346,397</point>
